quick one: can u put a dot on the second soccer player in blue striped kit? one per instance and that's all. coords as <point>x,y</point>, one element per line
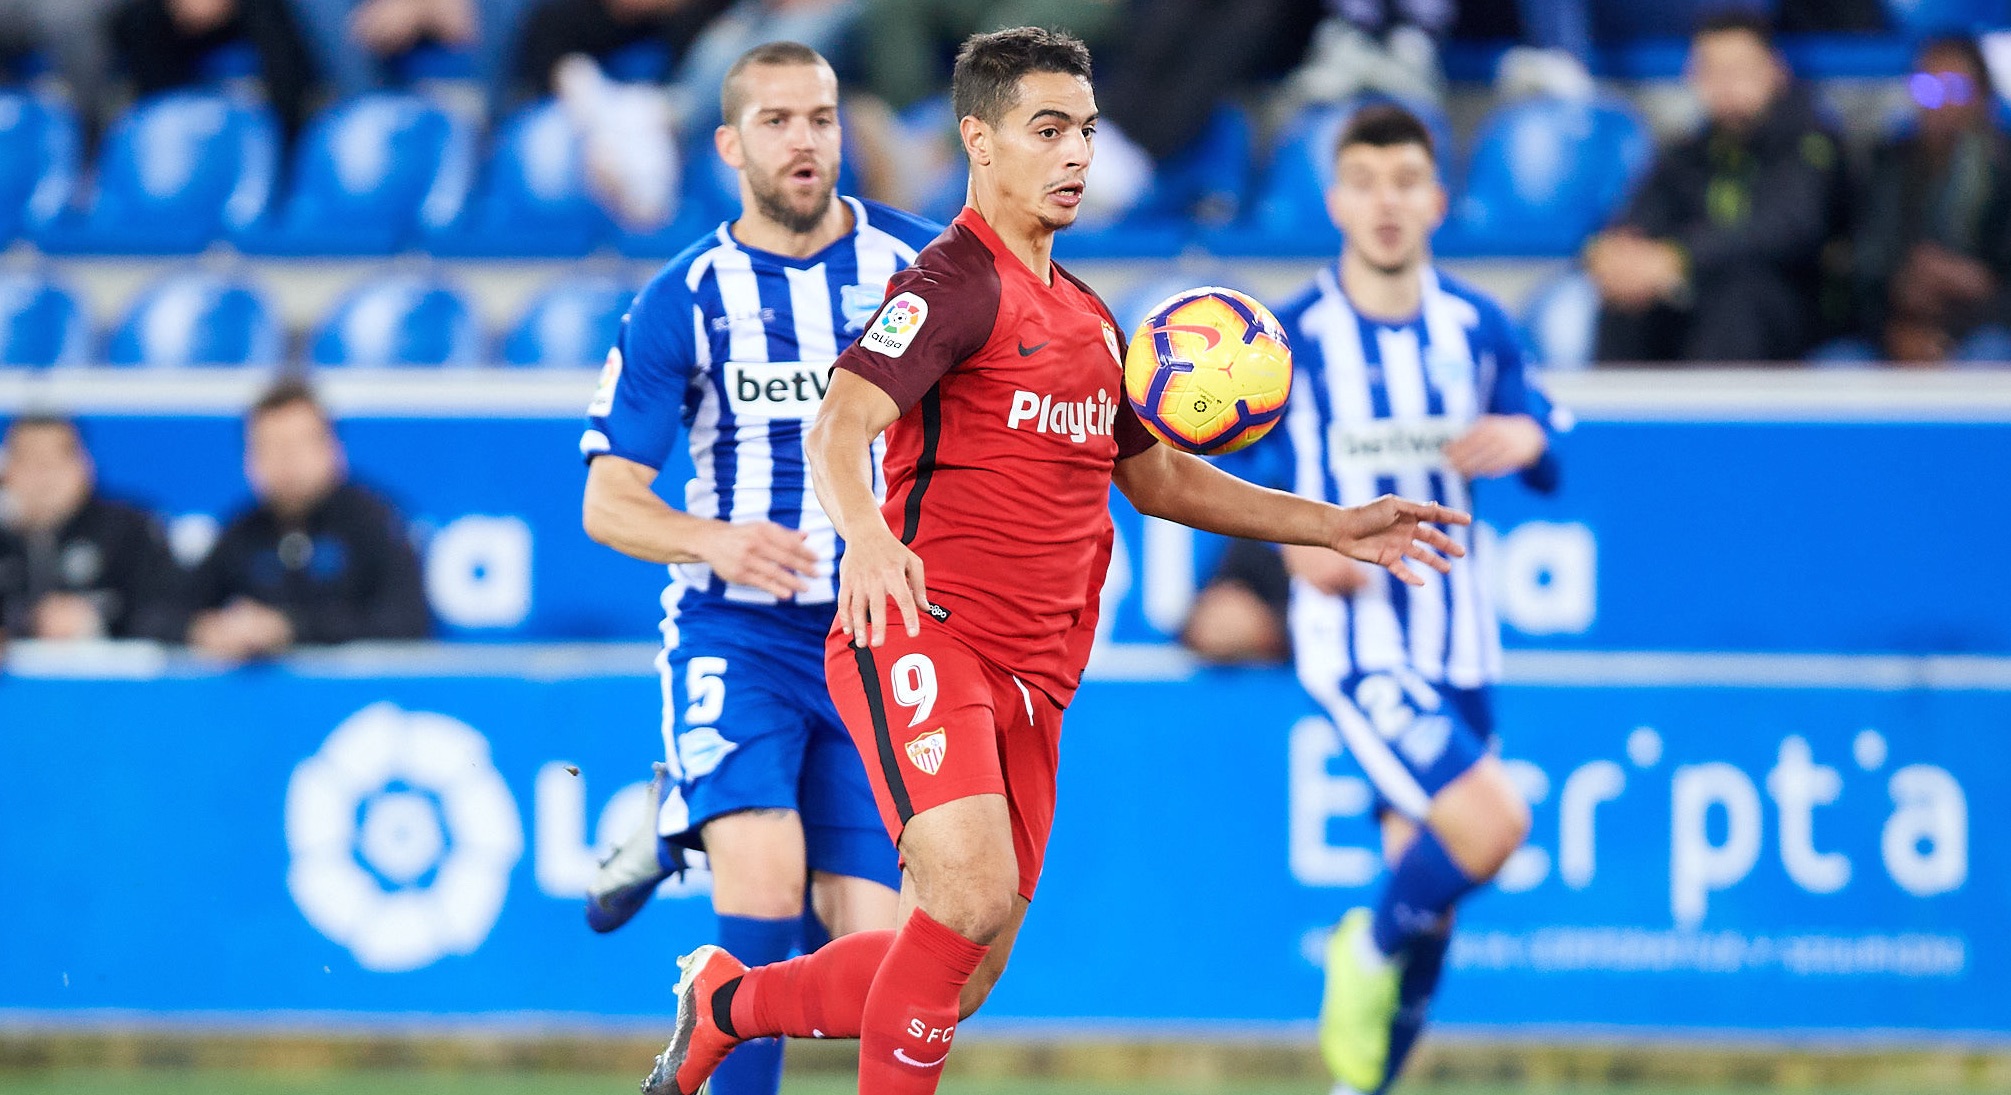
<point>732,344</point>
<point>1406,381</point>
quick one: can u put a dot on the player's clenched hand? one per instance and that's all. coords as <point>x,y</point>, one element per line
<point>761,554</point>
<point>1497,444</point>
<point>1390,530</point>
<point>875,570</point>
<point>1324,569</point>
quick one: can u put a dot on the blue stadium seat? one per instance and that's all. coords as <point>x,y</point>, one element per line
<point>40,323</point>
<point>403,319</point>
<point>38,161</point>
<point>1545,175</point>
<point>197,318</point>
<point>177,172</point>
<point>533,199</point>
<point>572,323</point>
<point>368,176</point>
<point>1561,321</point>
<point>1290,213</point>
<point>1202,184</point>
<point>1926,18</point>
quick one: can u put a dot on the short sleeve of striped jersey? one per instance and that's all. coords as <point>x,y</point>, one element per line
<point>639,407</point>
<point>1514,392</point>
<point>938,313</point>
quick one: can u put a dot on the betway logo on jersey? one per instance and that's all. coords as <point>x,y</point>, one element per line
<point>1076,419</point>
<point>1389,446</point>
<point>776,389</point>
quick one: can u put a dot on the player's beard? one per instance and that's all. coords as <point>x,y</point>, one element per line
<point>775,206</point>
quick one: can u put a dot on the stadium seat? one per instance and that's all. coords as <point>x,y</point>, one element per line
<point>1561,322</point>
<point>1201,184</point>
<point>572,323</point>
<point>532,200</point>
<point>40,323</point>
<point>196,318</point>
<point>368,176</point>
<point>1290,213</point>
<point>1919,19</point>
<point>403,319</point>
<point>38,161</point>
<point>177,172</point>
<point>1545,174</point>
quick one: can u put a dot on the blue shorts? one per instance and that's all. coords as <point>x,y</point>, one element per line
<point>1410,737</point>
<point>748,724</point>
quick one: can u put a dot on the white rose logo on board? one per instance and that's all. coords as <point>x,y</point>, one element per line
<point>402,835</point>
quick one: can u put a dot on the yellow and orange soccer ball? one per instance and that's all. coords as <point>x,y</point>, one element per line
<point>1209,371</point>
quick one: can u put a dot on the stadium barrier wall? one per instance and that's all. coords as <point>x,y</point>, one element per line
<point>1807,846</point>
<point>1758,659</point>
<point>1809,512</point>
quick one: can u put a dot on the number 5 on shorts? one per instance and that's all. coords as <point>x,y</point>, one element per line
<point>914,681</point>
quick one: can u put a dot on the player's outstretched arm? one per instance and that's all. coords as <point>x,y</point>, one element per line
<point>877,567</point>
<point>1178,486</point>
<point>623,512</point>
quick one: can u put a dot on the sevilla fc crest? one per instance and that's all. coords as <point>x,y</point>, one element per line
<point>927,751</point>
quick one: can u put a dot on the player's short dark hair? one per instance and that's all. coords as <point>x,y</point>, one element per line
<point>1385,125</point>
<point>290,391</point>
<point>1735,21</point>
<point>985,82</point>
<point>733,98</point>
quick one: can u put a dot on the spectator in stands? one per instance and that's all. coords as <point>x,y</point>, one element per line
<point>70,33</point>
<point>554,29</point>
<point>630,131</point>
<point>1933,238</point>
<point>317,559</point>
<point>1718,257</point>
<point>163,44</point>
<point>353,40</point>
<point>73,563</point>
<point>1239,616</point>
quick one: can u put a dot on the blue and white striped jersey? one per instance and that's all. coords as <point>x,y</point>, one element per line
<point>1372,405</point>
<point>734,345</point>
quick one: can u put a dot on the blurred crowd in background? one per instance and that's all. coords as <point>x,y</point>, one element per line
<point>1840,193</point>
<point>313,559</point>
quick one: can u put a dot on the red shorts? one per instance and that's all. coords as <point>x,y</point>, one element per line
<point>935,722</point>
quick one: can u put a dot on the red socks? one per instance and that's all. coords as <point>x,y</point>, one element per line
<point>911,1012</point>
<point>897,992</point>
<point>819,995</point>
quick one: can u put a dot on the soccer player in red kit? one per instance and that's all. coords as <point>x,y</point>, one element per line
<point>998,381</point>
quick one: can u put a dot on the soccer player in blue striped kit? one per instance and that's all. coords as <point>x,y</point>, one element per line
<point>733,343</point>
<point>1406,381</point>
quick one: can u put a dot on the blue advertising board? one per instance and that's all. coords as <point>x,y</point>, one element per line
<point>1761,844</point>
<point>1860,529</point>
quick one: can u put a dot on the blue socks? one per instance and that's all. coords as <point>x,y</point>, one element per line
<point>1421,891</point>
<point>755,1067</point>
<point>1422,964</point>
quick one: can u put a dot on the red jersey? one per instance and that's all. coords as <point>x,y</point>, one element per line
<point>1013,417</point>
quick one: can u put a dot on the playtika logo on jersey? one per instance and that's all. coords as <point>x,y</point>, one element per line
<point>1076,419</point>
<point>927,751</point>
<point>894,330</point>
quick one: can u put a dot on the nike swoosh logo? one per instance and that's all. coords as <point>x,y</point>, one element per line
<point>902,1057</point>
<point>1213,336</point>
<point>1028,351</point>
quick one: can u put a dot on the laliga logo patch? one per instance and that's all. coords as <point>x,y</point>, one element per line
<point>603,403</point>
<point>402,836</point>
<point>895,328</point>
<point>928,750</point>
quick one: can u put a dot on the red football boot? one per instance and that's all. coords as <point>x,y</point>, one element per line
<point>685,1066</point>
